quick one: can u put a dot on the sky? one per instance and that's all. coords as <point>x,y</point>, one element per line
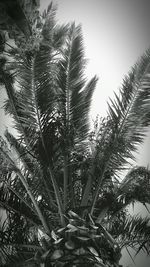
<point>116,33</point>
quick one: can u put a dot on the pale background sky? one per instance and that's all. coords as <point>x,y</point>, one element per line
<point>116,33</point>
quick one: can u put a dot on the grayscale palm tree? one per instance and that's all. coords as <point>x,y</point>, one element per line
<point>61,184</point>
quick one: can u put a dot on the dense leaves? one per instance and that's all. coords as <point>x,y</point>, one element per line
<point>61,185</point>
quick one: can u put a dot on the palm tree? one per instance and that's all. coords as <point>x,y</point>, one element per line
<point>60,183</point>
<point>17,19</point>
<point>17,16</point>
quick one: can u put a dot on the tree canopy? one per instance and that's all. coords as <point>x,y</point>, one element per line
<point>60,182</point>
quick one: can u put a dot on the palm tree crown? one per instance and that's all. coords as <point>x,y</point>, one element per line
<point>59,179</point>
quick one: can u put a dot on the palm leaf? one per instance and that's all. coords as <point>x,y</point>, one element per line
<point>135,186</point>
<point>9,160</point>
<point>133,231</point>
<point>128,118</point>
<point>75,99</point>
<point>28,102</point>
<point>17,15</point>
<point>30,166</point>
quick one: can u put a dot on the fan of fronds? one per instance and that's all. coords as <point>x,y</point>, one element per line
<point>54,164</point>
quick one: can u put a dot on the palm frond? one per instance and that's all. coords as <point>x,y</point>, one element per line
<point>18,241</point>
<point>17,16</point>
<point>28,111</point>
<point>9,160</point>
<point>81,102</point>
<point>126,112</point>
<point>135,186</point>
<point>30,167</point>
<point>22,153</point>
<point>74,98</point>
<point>11,200</point>
<point>13,108</point>
<point>127,125</point>
<point>132,231</point>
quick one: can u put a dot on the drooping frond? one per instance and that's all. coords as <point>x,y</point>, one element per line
<point>13,105</point>
<point>11,201</point>
<point>30,167</point>
<point>18,240</point>
<point>8,160</point>
<point>135,186</point>
<point>133,231</point>
<point>22,153</point>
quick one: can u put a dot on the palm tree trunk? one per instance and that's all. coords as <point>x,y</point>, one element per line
<point>42,219</point>
<point>66,174</point>
<point>57,195</point>
<point>97,192</point>
<point>88,186</point>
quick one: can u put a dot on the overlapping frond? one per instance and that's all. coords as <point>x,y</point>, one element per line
<point>128,116</point>
<point>15,14</point>
<point>75,96</point>
<point>128,120</point>
<point>133,232</point>
<point>22,154</point>
<point>9,162</point>
<point>15,108</point>
<point>134,187</point>
<point>129,113</point>
<point>18,240</point>
<point>11,201</point>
